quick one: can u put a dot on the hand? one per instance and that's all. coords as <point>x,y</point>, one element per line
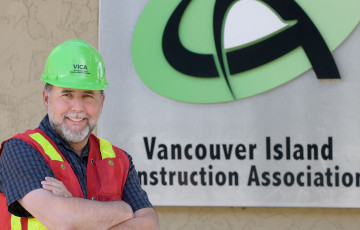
<point>56,187</point>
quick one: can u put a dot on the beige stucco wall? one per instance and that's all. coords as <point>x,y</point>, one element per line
<point>28,31</point>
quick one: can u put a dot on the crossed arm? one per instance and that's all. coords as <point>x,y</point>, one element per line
<point>54,207</point>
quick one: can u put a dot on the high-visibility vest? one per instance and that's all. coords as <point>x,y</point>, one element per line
<point>106,174</point>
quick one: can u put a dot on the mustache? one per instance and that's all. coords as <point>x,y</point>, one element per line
<point>76,115</point>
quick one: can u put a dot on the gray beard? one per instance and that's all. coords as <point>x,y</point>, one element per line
<point>68,135</point>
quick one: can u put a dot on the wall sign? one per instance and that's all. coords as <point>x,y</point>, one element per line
<point>292,139</point>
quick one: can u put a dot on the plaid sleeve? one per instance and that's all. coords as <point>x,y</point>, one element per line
<point>133,194</point>
<point>22,169</point>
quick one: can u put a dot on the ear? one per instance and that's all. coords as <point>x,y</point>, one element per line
<point>45,99</point>
<point>102,102</point>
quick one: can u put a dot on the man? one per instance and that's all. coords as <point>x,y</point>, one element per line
<point>61,174</point>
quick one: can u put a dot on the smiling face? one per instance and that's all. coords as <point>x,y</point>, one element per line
<point>73,113</point>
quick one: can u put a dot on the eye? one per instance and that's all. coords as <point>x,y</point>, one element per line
<point>66,94</point>
<point>88,95</point>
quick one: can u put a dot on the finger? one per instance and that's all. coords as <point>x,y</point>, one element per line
<point>49,187</point>
<point>52,180</point>
<point>60,192</point>
<point>48,183</point>
<point>47,178</point>
<point>56,187</point>
<point>57,191</point>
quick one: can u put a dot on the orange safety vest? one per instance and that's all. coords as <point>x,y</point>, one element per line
<point>106,171</point>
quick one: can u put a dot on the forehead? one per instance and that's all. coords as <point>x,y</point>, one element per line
<point>57,89</point>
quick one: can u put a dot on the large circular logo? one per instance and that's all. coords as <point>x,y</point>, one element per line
<point>211,51</point>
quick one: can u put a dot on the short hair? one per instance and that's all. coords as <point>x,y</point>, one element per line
<point>48,87</point>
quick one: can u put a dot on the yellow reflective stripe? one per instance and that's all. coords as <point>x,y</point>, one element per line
<point>34,224</point>
<point>106,149</point>
<point>15,223</point>
<point>48,148</point>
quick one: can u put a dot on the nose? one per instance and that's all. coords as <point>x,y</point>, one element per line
<point>77,104</point>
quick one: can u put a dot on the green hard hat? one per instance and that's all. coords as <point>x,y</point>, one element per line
<point>75,64</point>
